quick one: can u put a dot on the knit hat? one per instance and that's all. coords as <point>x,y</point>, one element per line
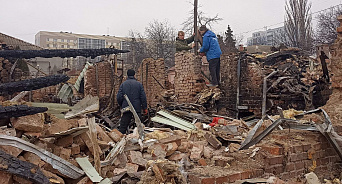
<point>130,72</point>
<point>203,28</point>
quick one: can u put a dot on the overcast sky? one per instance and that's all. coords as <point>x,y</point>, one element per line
<point>24,18</point>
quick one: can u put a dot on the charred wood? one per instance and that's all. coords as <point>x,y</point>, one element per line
<point>19,110</point>
<point>32,84</point>
<point>27,54</point>
<point>22,169</point>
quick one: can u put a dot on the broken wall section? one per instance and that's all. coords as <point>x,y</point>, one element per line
<point>100,80</point>
<point>151,72</point>
<point>188,79</point>
<point>251,81</point>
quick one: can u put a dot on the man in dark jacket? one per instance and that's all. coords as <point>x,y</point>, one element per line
<point>136,94</point>
<point>211,49</point>
<point>181,43</point>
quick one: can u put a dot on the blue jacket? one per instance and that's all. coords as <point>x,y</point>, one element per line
<point>211,46</point>
<point>135,92</point>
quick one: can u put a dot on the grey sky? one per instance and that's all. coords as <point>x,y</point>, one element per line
<point>24,18</point>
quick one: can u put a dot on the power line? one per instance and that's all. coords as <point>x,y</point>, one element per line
<point>285,21</point>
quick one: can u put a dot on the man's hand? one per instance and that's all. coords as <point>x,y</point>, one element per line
<point>202,54</point>
<point>145,112</point>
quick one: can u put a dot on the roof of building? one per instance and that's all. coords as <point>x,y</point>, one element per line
<point>17,43</point>
<point>70,34</point>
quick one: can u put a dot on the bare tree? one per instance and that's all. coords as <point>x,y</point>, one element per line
<point>137,45</point>
<point>327,25</point>
<point>188,24</point>
<point>298,24</point>
<point>160,41</point>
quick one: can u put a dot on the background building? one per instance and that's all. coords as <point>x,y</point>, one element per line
<point>272,37</point>
<point>69,40</point>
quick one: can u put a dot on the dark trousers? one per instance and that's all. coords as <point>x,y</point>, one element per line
<point>126,120</point>
<point>214,68</point>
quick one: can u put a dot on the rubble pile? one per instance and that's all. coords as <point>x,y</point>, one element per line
<point>152,75</point>
<point>293,81</point>
<point>188,79</point>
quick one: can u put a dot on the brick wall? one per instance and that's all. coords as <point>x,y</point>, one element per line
<point>149,72</point>
<point>287,161</point>
<point>251,81</point>
<point>103,85</point>
<point>188,79</point>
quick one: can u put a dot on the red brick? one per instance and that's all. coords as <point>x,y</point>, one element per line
<point>171,148</point>
<point>5,178</point>
<point>202,162</point>
<point>299,165</point>
<point>275,169</point>
<point>275,160</point>
<point>177,156</point>
<point>257,173</point>
<point>184,147</point>
<point>195,179</point>
<point>274,150</point>
<point>300,172</point>
<point>223,161</point>
<point>65,141</point>
<point>298,149</point>
<point>285,176</point>
<point>222,179</point>
<point>246,174</point>
<point>290,167</point>
<point>75,149</point>
<point>234,177</point>
<point>306,147</point>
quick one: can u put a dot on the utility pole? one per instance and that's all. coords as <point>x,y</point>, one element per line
<point>195,26</point>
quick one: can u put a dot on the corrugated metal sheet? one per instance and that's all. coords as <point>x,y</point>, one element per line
<point>81,76</point>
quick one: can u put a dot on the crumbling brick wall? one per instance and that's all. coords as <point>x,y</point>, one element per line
<point>336,67</point>
<point>149,72</point>
<point>99,80</point>
<point>188,79</point>
<point>251,80</point>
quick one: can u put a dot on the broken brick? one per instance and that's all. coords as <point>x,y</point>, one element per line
<point>202,162</point>
<point>6,178</point>
<point>171,148</point>
<point>184,147</point>
<point>32,158</point>
<point>177,156</point>
<point>65,141</point>
<point>82,122</point>
<point>173,138</point>
<point>118,171</point>
<point>115,135</point>
<point>52,176</point>
<point>196,152</point>
<point>31,123</point>
<point>20,180</point>
<point>136,157</point>
<point>101,134</point>
<point>208,152</point>
<point>213,141</point>
<point>131,168</point>
<point>157,150</point>
<point>75,149</point>
<point>223,161</point>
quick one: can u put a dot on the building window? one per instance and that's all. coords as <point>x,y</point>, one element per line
<point>47,45</point>
<point>62,40</point>
<point>55,40</point>
<point>62,46</point>
<point>68,46</point>
<point>68,41</point>
<point>71,41</point>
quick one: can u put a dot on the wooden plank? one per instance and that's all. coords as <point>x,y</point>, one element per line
<point>89,169</point>
<point>93,138</point>
<point>87,105</point>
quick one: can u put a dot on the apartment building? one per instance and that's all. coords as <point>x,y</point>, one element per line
<point>272,37</point>
<point>69,40</point>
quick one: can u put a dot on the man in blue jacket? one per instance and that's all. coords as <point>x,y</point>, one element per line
<point>211,49</point>
<point>136,94</point>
